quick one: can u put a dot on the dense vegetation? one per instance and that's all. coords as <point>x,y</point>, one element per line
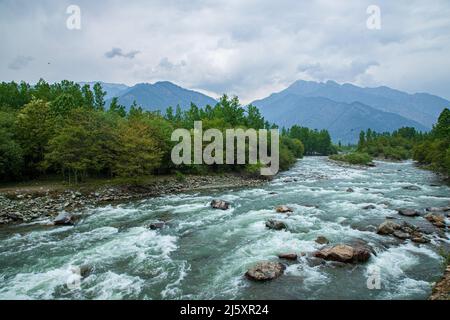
<point>434,149</point>
<point>353,158</point>
<point>397,145</point>
<point>315,142</point>
<point>431,149</point>
<point>67,129</point>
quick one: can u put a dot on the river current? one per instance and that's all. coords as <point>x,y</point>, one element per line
<point>203,253</point>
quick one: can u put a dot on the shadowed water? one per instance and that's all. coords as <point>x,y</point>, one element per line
<point>203,253</point>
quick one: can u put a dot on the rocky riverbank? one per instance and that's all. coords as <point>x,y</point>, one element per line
<point>441,290</point>
<point>24,204</point>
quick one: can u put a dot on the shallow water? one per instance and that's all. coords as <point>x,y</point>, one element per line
<point>203,253</point>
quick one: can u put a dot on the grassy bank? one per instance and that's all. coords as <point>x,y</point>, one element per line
<point>357,158</point>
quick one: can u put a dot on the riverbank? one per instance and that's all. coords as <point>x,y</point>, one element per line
<point>26,202</point>
<point>441,290</point>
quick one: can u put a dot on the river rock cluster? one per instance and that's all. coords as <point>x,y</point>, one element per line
<point>24,205</point>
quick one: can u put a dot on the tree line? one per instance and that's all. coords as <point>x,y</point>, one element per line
<point>431,149</point>
<point>67,129</point>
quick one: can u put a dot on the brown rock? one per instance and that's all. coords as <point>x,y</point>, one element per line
<point>344,253</point>
<point>284,209</point>
<point>387,227</point>
<point>436,220</point>
<point>266,270</point>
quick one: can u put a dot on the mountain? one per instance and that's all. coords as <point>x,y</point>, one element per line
<point>421,107</point>
<point>160,95</point>
<point>112,89</point>
<point>346,109</point>
<point>344,121</point>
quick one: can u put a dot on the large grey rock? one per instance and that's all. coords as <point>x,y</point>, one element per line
<point>266,270</point>
<point>220,204</point>
<point>408,212</point>
<point>65,218</point>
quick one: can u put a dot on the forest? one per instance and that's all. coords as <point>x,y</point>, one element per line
<point>430,149</point>
<point>68,130</point>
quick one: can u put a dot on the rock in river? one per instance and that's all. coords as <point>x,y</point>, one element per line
<point>266,270</point>
<point>412,188</point>
<point>388,227</point>
<point>437,220</point>
<point>65,218</point>
<point>284,209</point>
<point>344,253</point>
<point>156,225</point>
<point>220,204</point>
<point>408,212</point>
<point>288,256</point>
<point>275,224</point>
<point>322,240</point>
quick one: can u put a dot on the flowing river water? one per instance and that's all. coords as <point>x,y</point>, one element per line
<point>203,253</point>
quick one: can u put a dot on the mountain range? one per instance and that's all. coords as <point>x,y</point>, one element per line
<point>343,109</point>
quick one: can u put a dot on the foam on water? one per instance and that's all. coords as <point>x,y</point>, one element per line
<point>204,253</point>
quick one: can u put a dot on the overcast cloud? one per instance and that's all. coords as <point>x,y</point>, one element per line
<point>245,47</point>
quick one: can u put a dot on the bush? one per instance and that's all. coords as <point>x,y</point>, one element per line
<point>353,158</point>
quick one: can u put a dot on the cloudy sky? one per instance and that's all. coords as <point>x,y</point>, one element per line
<point>249,48</point>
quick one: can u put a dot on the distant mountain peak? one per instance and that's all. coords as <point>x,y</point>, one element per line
<point>345,109</point>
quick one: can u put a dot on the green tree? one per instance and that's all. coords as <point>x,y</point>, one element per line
<point>99,97</point>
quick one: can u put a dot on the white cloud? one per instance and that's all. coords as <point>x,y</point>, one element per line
<point>248,48</point>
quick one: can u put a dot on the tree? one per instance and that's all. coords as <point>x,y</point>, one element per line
<point>117,108</point>
<point>99,97</point>
<point>88,97</point>
<point>11,154</point>
<point>34,128</point>
<point>138,152</point>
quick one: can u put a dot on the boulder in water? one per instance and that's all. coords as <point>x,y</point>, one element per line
<point>284,209</point>
<point>344,253</point>
<point>412,188</point>
<point>322,240</point>
<point>350,190</point>
<point>437,220</point>
<point>369,207</point>
<point>156,225</point>
<point>408,212</point>
<point>275,224</point>
<point>65,219</point>
<point>288,256</point>
<point>220,204</point>
<point>266,270</point>
<point>387,227</point>
<point>400,234</point>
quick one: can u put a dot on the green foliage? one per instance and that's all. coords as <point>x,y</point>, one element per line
<point>395,146</point>
<point>353,158</point>
<point>434,150</point>
<point>64,128</point>
<point>315,142</point>
<point>11,154</point>
<point>180,176</point>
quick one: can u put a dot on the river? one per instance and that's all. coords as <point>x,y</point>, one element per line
<point>203,253</point>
